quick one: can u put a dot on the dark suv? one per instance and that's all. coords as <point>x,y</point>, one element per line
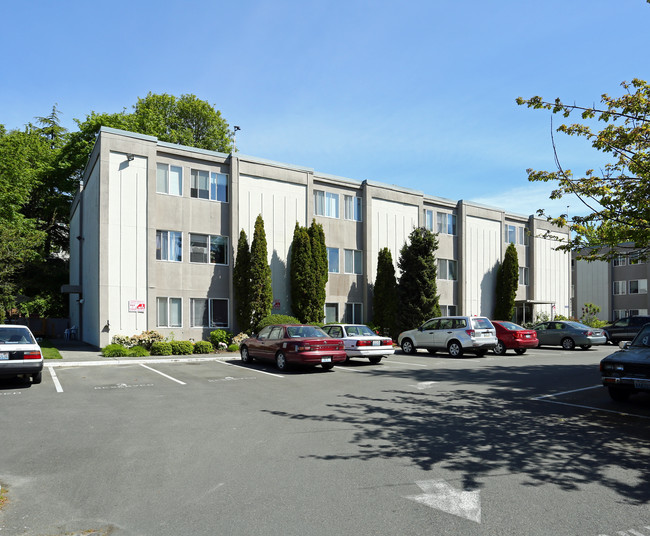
<point>625,329</point>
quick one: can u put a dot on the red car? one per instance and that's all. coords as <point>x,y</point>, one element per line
<point>293,344</point>
<point>513,336</point>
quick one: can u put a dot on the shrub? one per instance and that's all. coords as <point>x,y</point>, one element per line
<point>276,319</point>
<point>161,348</point>
<point>138,351</point>
<point>182,347</point>
<point>221,347</point>
<point>238,339</point>
<point>122,340</point>
<point>203,347</point>
<point>220,335</point>
<point>234,348</point>
<point>147,338</point>
<point>115,350</point>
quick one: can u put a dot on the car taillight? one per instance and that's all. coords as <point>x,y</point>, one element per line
<point>32,355</point>
<point>387,342</point>
<point>364,343</point>
<point>470,332</point>
<point>305,348</point>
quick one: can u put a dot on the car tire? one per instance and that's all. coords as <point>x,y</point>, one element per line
<point>327,366</point>
<point>245,355</point>
<point>408,347</point>
<point>500,348</point>
<point>455,349</point>
<point>37,378</point>
<point>568,343</point>
<point>281,361</point>
<point>617,394</point>
<point>585,346</point>
<point>374,360</point>
<point>520,351</point>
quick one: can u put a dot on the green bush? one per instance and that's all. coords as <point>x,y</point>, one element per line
<point>276,319</point>
<point>220,335</point>
<point>233,348</point>
<point>182,347</point>
<point>203,347</point>
<point>138,351</point>
<point>161,348</point>
<point>115,350</point>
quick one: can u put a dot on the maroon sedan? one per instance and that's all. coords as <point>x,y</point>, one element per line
<point>293,344</point>
<point>513,336</point>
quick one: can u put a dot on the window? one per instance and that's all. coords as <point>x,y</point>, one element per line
<point>637,312</point>
<point>198,312</point>
<point>523,276</point>
<point>428,220</point>
<point>448,310</point>
<point>333,260</point>
<point>352,208</point>
<point>353,261</point>
<point>619,313</point>
<point>447,269</point>
<point>211,312</point>
<point>199,184</point>
<point>219,187</point>
<point>639,286</point>
<point>619,261</point>
<point>353,313</point>
<point>446,223</point>
<point>326,204</point>
<point>331,312</point>
<point>169,246</point>
<point>207,248</point>
<point>169,179</point>
<point>634,259</point>
<point>218,313</point>
<point>515,234</point>
<point>169,312</point>
<point>619,287</point>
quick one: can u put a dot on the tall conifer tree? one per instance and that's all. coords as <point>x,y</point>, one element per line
<point>242,283</point>
<point>319,270</point>
<point>507,283</point>
<point>301,271</point>
<point>385,294</point>
<point>261,292</point>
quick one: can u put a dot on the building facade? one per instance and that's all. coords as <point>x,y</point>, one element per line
<point>154,228</point>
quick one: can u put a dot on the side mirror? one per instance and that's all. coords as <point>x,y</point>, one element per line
<point>624,345</point>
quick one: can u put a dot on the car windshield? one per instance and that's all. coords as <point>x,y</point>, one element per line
<point>355,331</point>
<point>15,335</point>
<point>481,323</point>
<point>577,325</point>
<point>511,326</point>
<point>305,331</point>
<point>642,340</point>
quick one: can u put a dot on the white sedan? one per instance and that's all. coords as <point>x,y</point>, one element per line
<point>20,354</point>
<point>361,341</point>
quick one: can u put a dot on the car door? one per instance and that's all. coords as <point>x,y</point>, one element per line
<point>443,332</point>
<point>557,332</point>
<point>425,335</point>
<point>543,333</point>
<point>259,346</point>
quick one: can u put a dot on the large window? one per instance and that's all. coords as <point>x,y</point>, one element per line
<point>428,220</point>
<point>199,184</point>
<point>211,312</point>
<point>219,187</point>
<point>352,208</point>
<point>639,286</point>
<point>169,312</point>
<point>446,223</point>
<point>353,313</point>
<point>619,287</point>
<point>208,249</point>
<point>619,313</point>
<point>333,260</point>
<point>169,246</point>
<point>448,310</point>
<point>169,179</point>
<point>620,260</point>
<point>523,276</point>
<point>515,234</point>
<point>447,269</point>
<point>326,204</point>
<point>353,261</point>
<point>331,313</point>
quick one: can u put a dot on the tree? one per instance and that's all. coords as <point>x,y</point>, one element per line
<point>319,270</point>
<point>417,288</point>
<point>301,273</point>
<point>261,292</point>
<point>507,283</point>
<point>241,283</point>
<point>384,300</point>
<point>617,198</point>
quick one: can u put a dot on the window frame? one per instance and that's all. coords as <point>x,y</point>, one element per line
<point>168,311</point>
<point>165,237</point>
<point>642,286</point>
<point>196,176</point>
<point>446,222</point>
<point>168,168</point>
<point>356,258</point>
<point>352,208</point>
<point>621,286</point>
<point>208,248</point>
<point>330,251</point>
<point>353,313</point>
<point>443,269</point>
<point>325,203</point>
<point>524,276</point>
<point>428,220</point>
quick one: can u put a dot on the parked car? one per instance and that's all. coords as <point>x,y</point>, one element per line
<point>455,334</point>
<point>20,354</point>
<point>293,344</point>
<point>625,329</point>
<point>628,371</point>
<point>513,336</point>
<point>568,334</point>
<point>361,341</point>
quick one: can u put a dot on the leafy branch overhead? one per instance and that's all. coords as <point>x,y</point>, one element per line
<point>616,197</point>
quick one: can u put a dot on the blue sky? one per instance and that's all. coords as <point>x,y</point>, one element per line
<point>415,93</point>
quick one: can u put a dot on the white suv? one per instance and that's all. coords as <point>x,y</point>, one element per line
<point>455,334</point>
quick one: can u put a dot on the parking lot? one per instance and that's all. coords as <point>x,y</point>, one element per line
<point>417,444</point>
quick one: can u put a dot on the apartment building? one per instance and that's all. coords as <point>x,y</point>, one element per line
<point>154,229</point>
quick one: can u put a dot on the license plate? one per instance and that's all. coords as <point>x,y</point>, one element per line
<point>642,384</point>
<point>527,336</point>
<point>376,343</point>
<point>326,360</point>
<point>4,355</point>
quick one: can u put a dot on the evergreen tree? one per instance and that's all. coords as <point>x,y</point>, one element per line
<point>319,271</point>
<point>507,283</point>
<point>242,283</point>
<point>301,272</point>
<point>384,303</point>
<point>417,289</point>
<point>261,292</point>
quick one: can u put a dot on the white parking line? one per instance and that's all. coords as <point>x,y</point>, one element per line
<point>569,392</point>
<point>404,363</point>
<point>56,381</point>
<point>162,374</point>
<point>251,369</point>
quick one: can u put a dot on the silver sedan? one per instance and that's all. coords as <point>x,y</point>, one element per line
<point>568,334</point>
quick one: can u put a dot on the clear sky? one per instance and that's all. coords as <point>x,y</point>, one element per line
<point>415,93</point>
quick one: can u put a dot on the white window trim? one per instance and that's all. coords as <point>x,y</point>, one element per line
<point>168,298</point>
<point>210,237</point>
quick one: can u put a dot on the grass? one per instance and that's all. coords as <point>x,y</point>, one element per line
<point>49,352</point>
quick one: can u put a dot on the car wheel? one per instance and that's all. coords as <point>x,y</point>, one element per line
<point>37,378</point>
<point>374,360</point>
<point>520,351</point>
<point>585,346</point>
<point>281,361</point>
<point>408,347</point>
<point>500,348</point>
<point>568,343</point>
<point>455,349</point>
<point>245,356</point>
<point>617,394</point>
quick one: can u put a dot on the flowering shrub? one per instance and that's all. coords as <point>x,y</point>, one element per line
<point>222,346</point>
<point>122,340</point>
<point>146,339</point>
<point>238,339</point>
